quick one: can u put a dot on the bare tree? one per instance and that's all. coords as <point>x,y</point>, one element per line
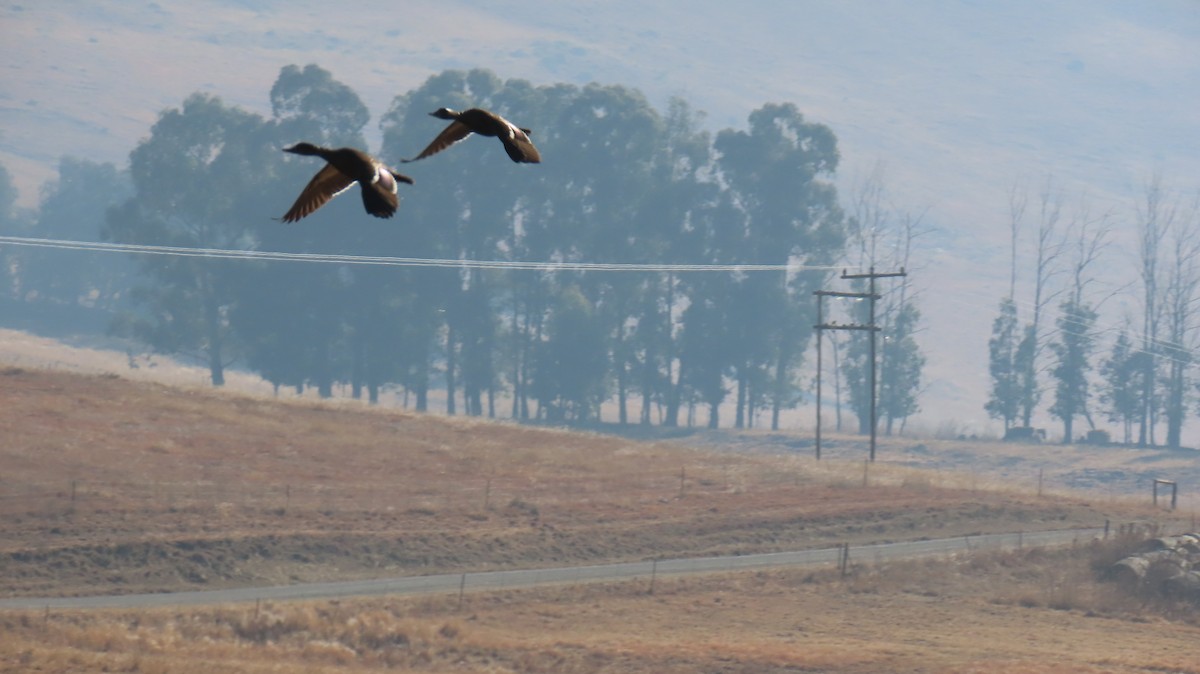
<point>867,221</point>
<point>1018,199</point>
<point>868,217</point>
<point>1179,307</point>
<point>1154,217</point>
<point>900,380</point>
<point>1049,246</point>
<point>1076,335</point>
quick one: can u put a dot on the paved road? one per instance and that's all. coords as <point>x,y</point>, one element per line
<point>494,580</point>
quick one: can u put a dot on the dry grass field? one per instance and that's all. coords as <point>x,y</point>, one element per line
<point>114,485</point>
<point>1039,612</point>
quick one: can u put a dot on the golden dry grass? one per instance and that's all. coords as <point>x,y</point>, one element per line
<point>113,485</point>
<point>968,614</point>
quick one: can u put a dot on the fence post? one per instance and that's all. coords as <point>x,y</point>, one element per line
<point>1174,491</point>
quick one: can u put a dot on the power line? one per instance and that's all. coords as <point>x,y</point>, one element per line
<point>386,261</point>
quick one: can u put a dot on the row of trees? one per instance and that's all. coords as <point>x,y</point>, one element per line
<point>1145,378</point>
<point>620,183</point>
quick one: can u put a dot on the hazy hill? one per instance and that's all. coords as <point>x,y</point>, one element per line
<point>956,100</point>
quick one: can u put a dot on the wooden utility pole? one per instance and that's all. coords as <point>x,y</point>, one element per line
<point>821,327</point>
<point>871,295</point>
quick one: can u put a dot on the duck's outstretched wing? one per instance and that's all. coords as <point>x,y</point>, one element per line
<point>519,147</point>
<point>450,135</point>
<point>327,184</point>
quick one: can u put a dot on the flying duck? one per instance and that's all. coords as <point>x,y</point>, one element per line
<point>345,167</point>
<point>516,140</point>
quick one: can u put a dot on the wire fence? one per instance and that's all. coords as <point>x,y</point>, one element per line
<point>645,571</point>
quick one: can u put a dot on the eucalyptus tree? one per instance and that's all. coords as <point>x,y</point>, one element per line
<point>72,207</point>
<point>1121,383</point>
<point>314,323</point>
<point>707,345</point>
<point>570,363</point>
<point>1004,396</point>
<point>682,192</point>
<point>471,200</point>
<point>197,182</point>
<point>615,136</point>
<point>10,224</point>
<point>778,172</point>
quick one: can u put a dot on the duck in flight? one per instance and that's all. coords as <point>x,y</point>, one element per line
<point>515,139</point>
<point>344,167</point>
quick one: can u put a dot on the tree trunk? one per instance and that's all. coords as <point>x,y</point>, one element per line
<point>674,397</point>
<point>212,320</point>
<point>519,356</point>
<point>451,366</point>
<point>622,384</point>
<point>739,420</point>
<point>781,378</point>
<point>1175,411</point>
<point>647,387</point>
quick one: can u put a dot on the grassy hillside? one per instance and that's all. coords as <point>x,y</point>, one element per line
<point>112,485</point>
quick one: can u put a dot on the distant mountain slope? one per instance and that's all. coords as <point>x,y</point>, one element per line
<point>966,92</point>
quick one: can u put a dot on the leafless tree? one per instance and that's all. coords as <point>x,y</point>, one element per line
<point>1154,217</point>
<point>1088,238</point>
<point>1180,313</point>
<point>1048,248</point>
<point>1018,199</point>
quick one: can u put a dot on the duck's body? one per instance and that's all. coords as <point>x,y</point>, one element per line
<point>344,167</point>
<point>476,120</point>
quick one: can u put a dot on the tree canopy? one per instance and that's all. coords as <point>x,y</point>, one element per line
<point>620,182</point>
